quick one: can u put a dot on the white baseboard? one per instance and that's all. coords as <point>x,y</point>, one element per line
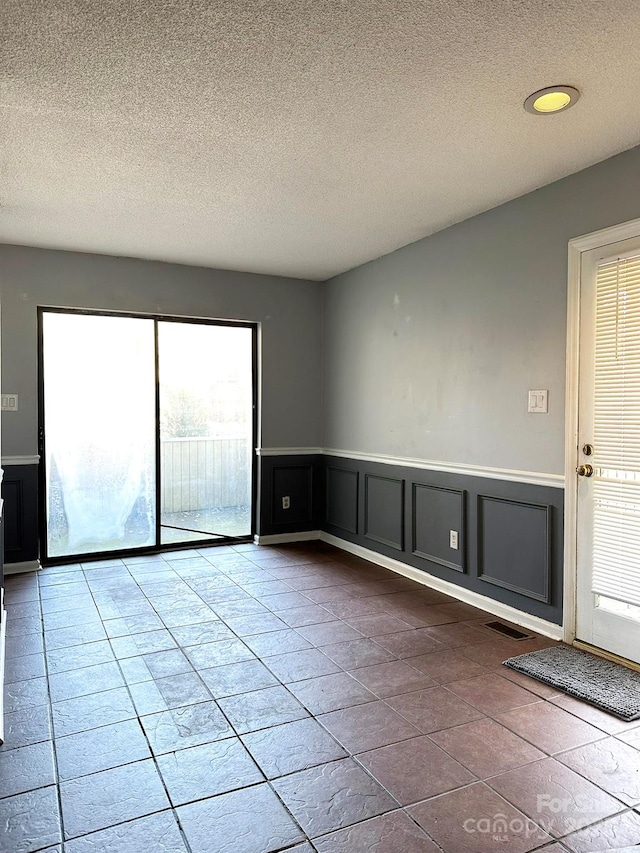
<point>504,611</point>
<point>19,568</point>
<point>283,538</point>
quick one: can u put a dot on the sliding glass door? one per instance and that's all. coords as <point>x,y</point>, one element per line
<point>147,432</point>
<point>206,430</point>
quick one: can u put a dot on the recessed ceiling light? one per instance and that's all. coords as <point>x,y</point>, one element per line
<point>553,99</point>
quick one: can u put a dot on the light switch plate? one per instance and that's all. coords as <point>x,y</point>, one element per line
<point>539,401</point>
<point>9,402</point>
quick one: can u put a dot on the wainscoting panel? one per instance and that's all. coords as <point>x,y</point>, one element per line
<point>436,512</point>
<point>20,493</point>
<point>299,477</point>
<point>510,533</point>
<point>514,542</point>
<point>296,483</point>
<point>384,510</point>
<point>342,499</point>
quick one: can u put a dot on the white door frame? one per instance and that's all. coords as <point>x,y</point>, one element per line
<point>577,246</point>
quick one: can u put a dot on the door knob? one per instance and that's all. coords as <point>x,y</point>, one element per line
<point>585,470</point>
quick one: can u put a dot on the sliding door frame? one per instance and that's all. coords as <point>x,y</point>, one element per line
<point>158,547</point>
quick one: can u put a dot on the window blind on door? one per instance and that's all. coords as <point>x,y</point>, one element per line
<point>616,483</point>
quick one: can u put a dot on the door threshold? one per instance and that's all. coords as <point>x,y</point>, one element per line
<point>602,653</point>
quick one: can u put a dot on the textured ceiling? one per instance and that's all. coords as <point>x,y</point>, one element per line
<point>299,138</point>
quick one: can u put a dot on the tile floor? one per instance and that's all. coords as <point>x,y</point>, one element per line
<point>250,699</point>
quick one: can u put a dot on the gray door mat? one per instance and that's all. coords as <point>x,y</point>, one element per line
<point>607,685</point>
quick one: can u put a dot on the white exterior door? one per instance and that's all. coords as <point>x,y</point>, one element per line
<point>608,452</point>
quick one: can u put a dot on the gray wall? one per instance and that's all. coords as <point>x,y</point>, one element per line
<point>289,312</point>
<point>429,352</point>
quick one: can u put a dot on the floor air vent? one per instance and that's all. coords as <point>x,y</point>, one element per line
<point>507,631</point>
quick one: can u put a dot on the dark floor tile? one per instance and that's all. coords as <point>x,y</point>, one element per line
<point>296,666</point>
<point>262,708</point>
<point>63,590</point>
<point>202,633</point>
<point>611,764</point>
<point>554,796</point>
<point>183,689</point>
<point>294,746</point>
<point>218,653</point>
<point>26,768</point>
<point>369,726</point>
<point>486,747</point>
<point>158,833</point>
<point>309,614</point>
<point>615,834</point>
<point>489,654</point>
<point>24,668</point>
<point>392,678</point>
<point>74,636</point>
<point>549,728</point>
<point>234,678</point>
<point>249,821</point>
<point>175,691</point>
<point>331,692</point>
<point>434,709</point>
<point>239,607</point>
<point>415,770</point>
<point>77,657</point>
<point>408,644</point>
<point>30,644</point>
<point>477,820</point>
<point>530,684</point>
<point>82,682</point>
<point>332,796</point>
<point>276,642</point>
<point>327,633</point>
<point>250,626</point>
<point>166,663</point>
<point>30,821</point>
<point>71,618</point>
<point>455,636</point>
<point>135,670</point>
<point>89,712</point>
<point>148,642</point>
<point>600,719</point>
<point>379,624</point>
<point>141,624</point>
<point>27,726</point>
<point>179,728</point>
<point>358,653</point>
<point>100,749</point>
<point>446,665</point>
<point>24,625</point>
<point>285,601</point>
<point>492,694</point>
<point>259,589</point>
<point>25,694</point>
<point>23,609</point>
<point>390,833</point>
<point>113,796</point>
<point>207,770</point>
<point>187,614</point>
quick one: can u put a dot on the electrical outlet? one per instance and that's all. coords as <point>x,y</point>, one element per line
<point>9,402</point>
<point>286,502</point>
<point>453,539</point>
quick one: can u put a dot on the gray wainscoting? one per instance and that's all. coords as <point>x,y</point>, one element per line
<point>510,534</point>
<point>20,493</point>
<point>301,478</point>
